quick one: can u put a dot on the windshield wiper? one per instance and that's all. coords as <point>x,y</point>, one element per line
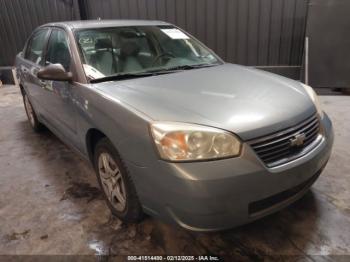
<point>121,77</point>
<point>181,67</point>
<point>124,76</point>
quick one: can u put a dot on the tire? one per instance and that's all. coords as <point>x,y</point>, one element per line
<point>116,183</point>
<point>32,118</point>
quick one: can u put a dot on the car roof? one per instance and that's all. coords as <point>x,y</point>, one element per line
<point>81,24</point>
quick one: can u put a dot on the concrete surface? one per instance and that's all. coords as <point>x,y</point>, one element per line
<point>50,204</point>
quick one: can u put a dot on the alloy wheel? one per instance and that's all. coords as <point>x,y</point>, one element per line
<point>112,181</point>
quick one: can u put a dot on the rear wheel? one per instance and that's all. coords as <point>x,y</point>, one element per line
<point>116,183</point>
<point>33,120</point>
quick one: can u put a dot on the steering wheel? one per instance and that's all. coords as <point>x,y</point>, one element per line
<point>162,55</point>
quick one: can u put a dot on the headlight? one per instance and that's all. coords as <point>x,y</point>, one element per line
<point>189,142</point>
<point>313,96</point>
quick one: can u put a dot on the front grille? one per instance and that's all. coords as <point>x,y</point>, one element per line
<point>277,148</point>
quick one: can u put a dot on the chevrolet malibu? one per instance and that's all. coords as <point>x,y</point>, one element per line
<point>171,129</point>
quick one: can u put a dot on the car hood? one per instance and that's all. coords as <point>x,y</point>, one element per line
<point>246,101</point>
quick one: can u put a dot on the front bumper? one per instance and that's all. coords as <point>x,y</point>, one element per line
<point>215,195</point>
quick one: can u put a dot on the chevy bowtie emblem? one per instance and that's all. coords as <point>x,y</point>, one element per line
<point>298,140</point>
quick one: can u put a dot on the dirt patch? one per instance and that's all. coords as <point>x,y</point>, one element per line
<point>17,235</point>
<point>43,237</point>
<point>82,190</point>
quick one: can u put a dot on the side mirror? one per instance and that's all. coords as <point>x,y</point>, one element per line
<point>55,72</point>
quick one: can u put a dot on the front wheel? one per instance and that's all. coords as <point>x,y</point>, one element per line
<point>33,120</point>
<point>116,183</point>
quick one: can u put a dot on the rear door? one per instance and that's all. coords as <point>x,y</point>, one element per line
<point>58,96</point>
<point>32,62</point>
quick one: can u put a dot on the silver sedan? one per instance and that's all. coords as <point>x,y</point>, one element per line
<point>171,129</point>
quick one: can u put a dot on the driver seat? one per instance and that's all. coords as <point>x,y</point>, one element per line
<point>128,57</point>
<point>104,60</point>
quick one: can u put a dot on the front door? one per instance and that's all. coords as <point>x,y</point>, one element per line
<point>33,61</point>
<point>59,93</point>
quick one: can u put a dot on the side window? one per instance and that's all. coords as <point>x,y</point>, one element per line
<point>58,50</point>
<point>35,49</point>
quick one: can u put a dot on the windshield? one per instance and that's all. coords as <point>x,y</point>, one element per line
<point>135,50</point>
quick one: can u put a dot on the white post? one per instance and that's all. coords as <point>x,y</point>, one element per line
<point>307,60</point>
<point>14,75</point>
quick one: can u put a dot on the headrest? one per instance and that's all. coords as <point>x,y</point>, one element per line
<point>103,43</point>
<point>129,48</point>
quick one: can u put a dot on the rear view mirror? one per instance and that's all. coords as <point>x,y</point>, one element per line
<point>55,72</point>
